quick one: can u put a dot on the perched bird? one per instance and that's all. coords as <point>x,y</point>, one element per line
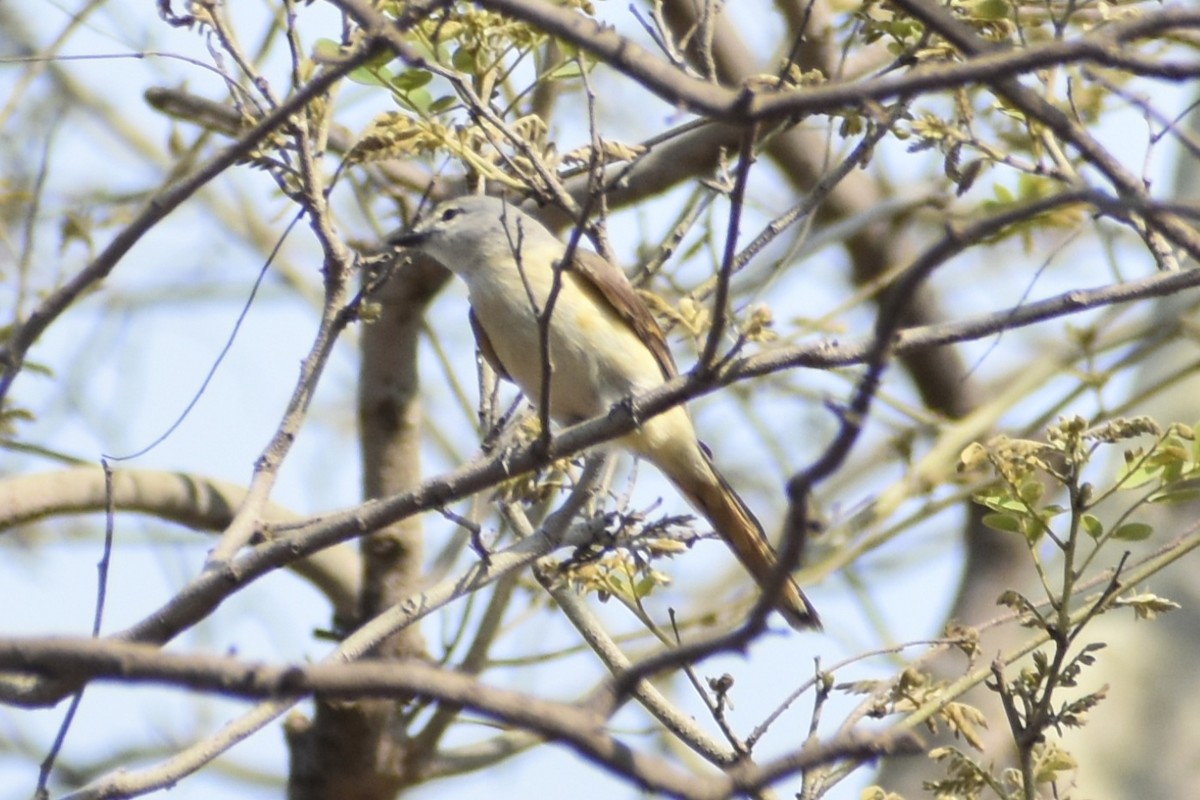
<point>604,346</point>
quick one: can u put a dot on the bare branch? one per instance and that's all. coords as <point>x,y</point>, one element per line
<point>12,355</point>
<point>194,501</point>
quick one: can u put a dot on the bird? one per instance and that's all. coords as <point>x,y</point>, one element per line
<point>604,347</point>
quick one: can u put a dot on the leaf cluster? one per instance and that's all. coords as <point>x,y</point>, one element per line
<point>1040,494</point>
<point>1031,475</point>
<point>622,565</point>
<point>462,97</point>
<point>915,689</point>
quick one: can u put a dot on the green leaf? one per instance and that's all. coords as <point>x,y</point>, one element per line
<point>1001,500</point>
<point>992,9</point>
<point>1031,491</point>
<point>411,79</point>
<point>1173,471</point>
<point>370,76</point>
<point>1133,532</point>
<point>420,100</point>
<point>327,50</point>
<point>443,103</point>
<point>1002,522</point>
<point>370,73</point>
<point>1092,526</point>
<point>1184,492</point>
<point>1052,762</point>
<point>464,59</point>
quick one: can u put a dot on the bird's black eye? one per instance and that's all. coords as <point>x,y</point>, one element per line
<point>450,213</point>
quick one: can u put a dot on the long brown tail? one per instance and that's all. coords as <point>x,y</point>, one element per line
<point>715,498</point>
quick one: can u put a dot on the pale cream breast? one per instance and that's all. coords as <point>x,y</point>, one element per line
<point>596,359</point>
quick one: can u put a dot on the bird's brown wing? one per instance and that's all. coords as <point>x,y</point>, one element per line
<point>610,285</point>
<point>485,346</point>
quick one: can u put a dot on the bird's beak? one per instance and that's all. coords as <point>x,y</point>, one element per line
<point>408,238</point>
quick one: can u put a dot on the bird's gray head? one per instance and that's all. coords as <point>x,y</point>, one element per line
<point>467,231</point>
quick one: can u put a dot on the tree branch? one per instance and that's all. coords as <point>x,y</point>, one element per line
<point>194,501</point>
<point>25,333</point>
